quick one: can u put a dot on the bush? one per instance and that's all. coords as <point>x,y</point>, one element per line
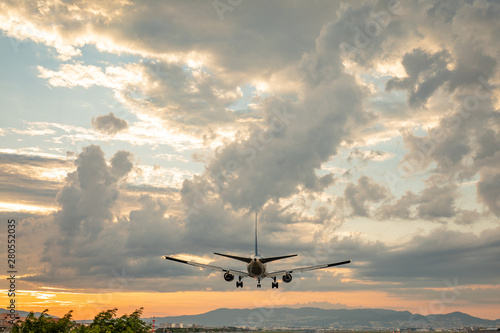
<point>104,322</point>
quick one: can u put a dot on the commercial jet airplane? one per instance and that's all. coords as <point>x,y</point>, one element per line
<point>256,267</point>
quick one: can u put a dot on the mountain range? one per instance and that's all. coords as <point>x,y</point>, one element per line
<point>308,317</point>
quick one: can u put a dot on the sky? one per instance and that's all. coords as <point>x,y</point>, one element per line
<point>362,130</point>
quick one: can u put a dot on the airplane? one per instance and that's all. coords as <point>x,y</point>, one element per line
<point>256,267</point>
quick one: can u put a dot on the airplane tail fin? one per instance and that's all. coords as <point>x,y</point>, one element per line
<point>256,248</point>
<point>266,260</point>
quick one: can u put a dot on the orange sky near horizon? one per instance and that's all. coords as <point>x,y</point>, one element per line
<point>87,305</point>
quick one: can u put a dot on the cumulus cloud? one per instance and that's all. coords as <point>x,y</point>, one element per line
<point>90,192</point>
<point>193,78</point>
<point>488,189</point>
<point>434,203</point>
<point>399,209</point>
<point>109,124</point>
<point>276,160</point>
<point>426,73</point>
<point>365,191</point>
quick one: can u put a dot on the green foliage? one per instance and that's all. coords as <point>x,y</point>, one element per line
<point>104,322</point>
<point>44,324</point>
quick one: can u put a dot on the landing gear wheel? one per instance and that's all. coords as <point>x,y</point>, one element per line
<point>274,285</point>
<point>258,286</point>
<point>239,284</point>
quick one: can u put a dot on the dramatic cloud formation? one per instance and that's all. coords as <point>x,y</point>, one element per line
<point>363,130</point>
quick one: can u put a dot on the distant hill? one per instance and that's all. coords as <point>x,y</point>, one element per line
<point>24,313</point>
<point>338,318</point>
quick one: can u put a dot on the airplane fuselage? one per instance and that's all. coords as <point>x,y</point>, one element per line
<point>256,268</point>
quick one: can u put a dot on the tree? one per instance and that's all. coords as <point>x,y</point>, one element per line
<point>44,324</point>
<point>104,322</point>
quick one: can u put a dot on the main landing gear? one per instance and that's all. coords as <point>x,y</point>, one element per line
<point>274,284</point>
<point>239,283</point>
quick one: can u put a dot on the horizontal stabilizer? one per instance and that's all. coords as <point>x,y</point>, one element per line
<point>266,260</point>
<point>212,267</point>
<point>244,259</point>
<point>339,263</point>
<point>307,268</point>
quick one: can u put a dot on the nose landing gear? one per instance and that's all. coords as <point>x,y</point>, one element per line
<point>258,283</point>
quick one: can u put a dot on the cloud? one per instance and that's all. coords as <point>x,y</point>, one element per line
<point>198,87</point>
<point>426,73</point>
<point>90,193</point>
<point>279,158</point>
<point>437,202</point>
<point>399,209</point>
<point>357,196</point>
<point>29,179</point>
<point>489,191</point>
<point>468,217</point>
<point>109,124</point>
<point>365,156</point>
<point>431,258</point>
<point>434,203</point>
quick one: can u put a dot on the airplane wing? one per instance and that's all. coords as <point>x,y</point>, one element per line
<point>307,268</point>
<point>215,268</point>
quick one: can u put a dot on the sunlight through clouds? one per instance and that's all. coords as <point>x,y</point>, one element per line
<point>365,130</point>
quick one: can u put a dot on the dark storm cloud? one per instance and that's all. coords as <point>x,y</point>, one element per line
<point>109,124</point>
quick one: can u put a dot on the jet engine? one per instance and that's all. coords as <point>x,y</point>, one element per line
<point>228,277</point>
<point>287,278</point>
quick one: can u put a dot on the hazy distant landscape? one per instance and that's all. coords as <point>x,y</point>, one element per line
<point>336,318</point>
<point>308,317</point>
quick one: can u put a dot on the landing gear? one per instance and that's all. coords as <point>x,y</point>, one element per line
<point>274,284</point>
<point>239,283</point>
<point>258,283</point>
